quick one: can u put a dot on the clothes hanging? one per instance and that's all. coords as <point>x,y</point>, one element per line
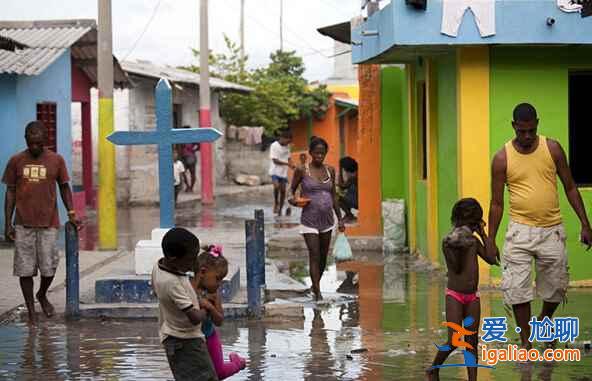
<point>483,13</point>
<point>569,6</point>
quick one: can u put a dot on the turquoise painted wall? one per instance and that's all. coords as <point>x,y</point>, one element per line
<point>447,143</point>
<point>393,133</point>
<point>539,76</point>
<point>19,96</point>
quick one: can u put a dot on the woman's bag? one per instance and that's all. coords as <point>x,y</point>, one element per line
<point>342,250</point>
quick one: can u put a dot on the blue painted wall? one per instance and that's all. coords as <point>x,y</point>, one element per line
<point>19,96</point>
<point>517,22</point>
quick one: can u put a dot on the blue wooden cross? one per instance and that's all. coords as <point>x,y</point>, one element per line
<point>165,136</point>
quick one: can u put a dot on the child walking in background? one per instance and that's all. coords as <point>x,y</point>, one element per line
<point>211,268</point>
<point>178,174</point>
<point>461,249</point>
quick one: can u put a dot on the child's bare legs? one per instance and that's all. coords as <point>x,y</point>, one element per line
<point>454,314</point>
<point>473,310</point>
<point>282,198</point>
<point>276,196</point>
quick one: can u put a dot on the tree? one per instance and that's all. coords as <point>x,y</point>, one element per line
<point>280,92</point>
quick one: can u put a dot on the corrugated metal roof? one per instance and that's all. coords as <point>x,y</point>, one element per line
<point>28,61</point>
<point>45,41</point>
<point>46,37</point>
<point>148,69</point>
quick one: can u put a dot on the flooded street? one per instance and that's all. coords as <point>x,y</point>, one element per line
<point>391,327</point>
<point>395,323</point>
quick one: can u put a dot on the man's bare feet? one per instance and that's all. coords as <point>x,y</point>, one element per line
<point>46,306</point>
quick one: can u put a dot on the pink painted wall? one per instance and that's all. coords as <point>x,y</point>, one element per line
<point>80,85</point>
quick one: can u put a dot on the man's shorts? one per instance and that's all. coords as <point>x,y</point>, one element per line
<point>189,359</point>
<point>35,248</point>
<point>279,179</point>
<point>547,246</point>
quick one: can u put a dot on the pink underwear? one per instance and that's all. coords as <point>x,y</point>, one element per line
<point>463,298</point>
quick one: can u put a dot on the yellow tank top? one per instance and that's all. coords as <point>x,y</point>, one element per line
<point>532,184</point>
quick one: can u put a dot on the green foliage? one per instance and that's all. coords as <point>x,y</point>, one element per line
<point>280,92</point>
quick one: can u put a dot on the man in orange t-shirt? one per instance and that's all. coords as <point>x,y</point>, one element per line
<point>30,179</point>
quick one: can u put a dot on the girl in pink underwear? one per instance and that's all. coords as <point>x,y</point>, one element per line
<point>461,248</point>
<point>211,268</point>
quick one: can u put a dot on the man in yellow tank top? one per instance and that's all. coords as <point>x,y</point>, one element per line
<point>529,165</point>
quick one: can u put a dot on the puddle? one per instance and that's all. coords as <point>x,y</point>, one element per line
<point>396,319</point>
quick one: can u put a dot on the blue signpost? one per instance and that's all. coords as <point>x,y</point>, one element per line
<point>165,136</point>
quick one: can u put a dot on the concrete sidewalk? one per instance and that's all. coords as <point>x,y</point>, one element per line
<point>11,296</point>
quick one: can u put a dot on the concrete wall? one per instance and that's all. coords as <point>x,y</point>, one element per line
<point>247,160</point>
<point>19,96</point>
<point>137,166</point>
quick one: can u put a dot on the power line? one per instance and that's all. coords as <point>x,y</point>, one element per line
<point>154,11</point>
<point>263,26</point>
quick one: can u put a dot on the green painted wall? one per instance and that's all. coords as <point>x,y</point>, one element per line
<point>393,133</point>
<point>539,76</point>
<point>447,143</point>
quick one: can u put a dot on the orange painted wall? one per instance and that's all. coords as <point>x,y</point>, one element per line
<point>326,128</point>
<point>369,151</point>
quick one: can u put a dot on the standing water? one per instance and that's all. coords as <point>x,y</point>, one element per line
<point>391,329</point>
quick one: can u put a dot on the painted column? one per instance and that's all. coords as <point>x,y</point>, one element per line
<point>87,164</point>
<point>369,150</point>
<point>107,208</point>
<point>205,116</point>
<point>411,159</point>
<point>432,157</point>
<point>473,129</point>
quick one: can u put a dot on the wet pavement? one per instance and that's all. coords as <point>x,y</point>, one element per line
<point>396,322</point>
<point>229,212</point>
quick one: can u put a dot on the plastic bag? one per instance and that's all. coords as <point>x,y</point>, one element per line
<point>342,250</point>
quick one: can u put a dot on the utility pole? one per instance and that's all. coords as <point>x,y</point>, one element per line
<point>281,25</point>
<point>242,30</point>
<point>107,208</point>
<point>205,116</point>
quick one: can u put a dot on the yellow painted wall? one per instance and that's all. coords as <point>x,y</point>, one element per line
<point>473,129</point>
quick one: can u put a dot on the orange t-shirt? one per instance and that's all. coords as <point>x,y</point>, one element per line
<point>35,182</point>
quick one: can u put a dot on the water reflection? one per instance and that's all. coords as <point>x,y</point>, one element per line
<point>396,320</point>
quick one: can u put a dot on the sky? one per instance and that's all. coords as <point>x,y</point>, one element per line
<point>171,27</point>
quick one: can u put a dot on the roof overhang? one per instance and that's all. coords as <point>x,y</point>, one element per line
<point>339,32</point>
<point>399,32</point>
<point>40,43</point>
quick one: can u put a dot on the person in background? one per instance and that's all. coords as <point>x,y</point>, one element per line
<point>319,200</point>
<point>348,186</point>
<point>279,155</point>
<point>31,177</point>
<point>189,157</point>
<point>178,174</point>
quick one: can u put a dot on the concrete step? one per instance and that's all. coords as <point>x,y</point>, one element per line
<point>137,288</point>
<point>281,310</point>
<point>279,244</point>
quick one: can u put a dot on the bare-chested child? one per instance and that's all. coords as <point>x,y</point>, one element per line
<point>461,248</point>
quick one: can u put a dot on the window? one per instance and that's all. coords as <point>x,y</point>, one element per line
<point>46,113</point>
<point>422,129</point>
<point>580,128</point>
